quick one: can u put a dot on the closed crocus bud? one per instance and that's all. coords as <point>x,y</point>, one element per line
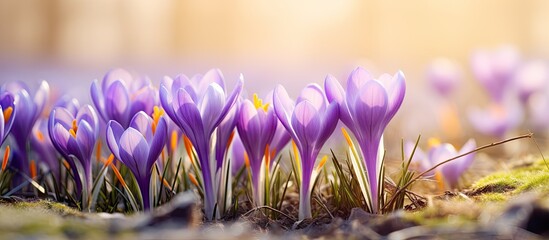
<point>444,76</point>
<point>366,109</point>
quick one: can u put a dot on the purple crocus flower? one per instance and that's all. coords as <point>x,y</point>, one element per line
<point>281,137</point>
<point>498,117</point>
<point>44,149</point>
<point>225,131</point>
<point>366,109</point>
<point>495,69</point>
<point>7,114</point>
<point>450,171</point>
<point>74,138</point>
<point>530,78</point>
<point>138,147</point>
<point>121,96</point>
<point>256,127</point>
<point>28,110</point>
<point>310,122</point>
<point>197,106</point>
<point>443,75</point>
<point>237,154</point>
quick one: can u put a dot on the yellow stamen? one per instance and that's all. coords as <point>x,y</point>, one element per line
<point>39,136</point>
<point>433,142</point>
<point>173,140</point>
<point>230,140</point>
<point>188,147</point>
<point>258,103</point>
<point>321,163</point>
<point>440,180</point>
<point>32,169</point>
<point>347,137</point>
<point>296,156</point>
<point>193,179</point>
<point>98,151</point>
<point>6,157</point>
<point>74,128</point>
<point>157,113</point>
<point>67,165</point>
<point>7,114</point>
<point>118,175</point>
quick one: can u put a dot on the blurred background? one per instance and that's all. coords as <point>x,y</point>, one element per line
<point>293,43</point>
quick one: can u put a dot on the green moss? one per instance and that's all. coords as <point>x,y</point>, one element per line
<point>512,182</point>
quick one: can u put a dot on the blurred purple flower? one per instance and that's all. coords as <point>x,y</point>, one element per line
<point>366,109</point>
<point>28,110</point>
<point>74,136</point>
<point>122,95</point>
<point>444,76</point>
<point>495,69</point>
<point>310,122</point>
<point>498,118</point>
<point>256,127</point>
<point>7,114</point>
<point>450,171</point>
<point>138,147</point>
<point>237,154</point>
<point>197,106</point>
<point>225,131</point>
<point>531,77</point>
<point>44,149</point>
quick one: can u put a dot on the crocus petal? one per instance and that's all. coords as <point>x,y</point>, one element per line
<point>306,123</point>
<point>284,107</point>
<point>98,100</point>
<point>157,143</point>
<point>329,122</point>
<point>396,88</point>
<point>143,99</point>
<point>41,98</point>
<point>212,76</point>
<point>369,109</point>
<point>142,123</point>
<point>166,99</point>
<point>61,136</point>
<point>188,115</point>
<point>231,100</point>
<point>134,151</point>
<point>85,137</point>
<point>87,113</point>
<point>335,92</point>
<point>211,105</point>
<point>115,75</point>
<point>315,95</point>
<point>114,133</point>
<point>356,80</point>
<point>117,102</point>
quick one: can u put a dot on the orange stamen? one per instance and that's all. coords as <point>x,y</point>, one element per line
<point>246,160</point>
<point>7,114</point>
<point>109,160</point>
<point>347,137</point>
<point>32,169</point>
<point>440,180</point>
<point>188,147</point>
<point>67,165</point>
<point>193,179</point>
<point>267,156</point>
<point>173,140</point>
<point>39,136</point>
<point>163,156</point>
<point>6,157</point>
<point>72,132</point>
<point>98,151</point>
<point>157,113</point>
<point>118,175</point>
<point>230,139</point>
<point>321,163</point>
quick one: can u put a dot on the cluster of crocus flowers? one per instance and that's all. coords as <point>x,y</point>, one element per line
<point>29,107</point>
<point>198,105</point>
<point>310,121</point>
<point>448,174</point>
<point>138,147</point>
<point>366,108</point>
<point>74,135</point>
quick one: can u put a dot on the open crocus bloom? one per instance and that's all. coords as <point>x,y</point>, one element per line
<point>450,171</point>
<point>310,121</point>
<point>138,147</point>
<point>7,114</point>
<point>197,106</point>
<point>122,95</point>
<point>74,138</point>
<point>366,108</point>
